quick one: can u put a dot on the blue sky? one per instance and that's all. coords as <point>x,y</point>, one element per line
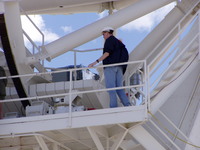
<point>56,26</point>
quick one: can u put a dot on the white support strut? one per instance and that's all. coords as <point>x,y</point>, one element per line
<point>145,139</point>
<point>81,36</point>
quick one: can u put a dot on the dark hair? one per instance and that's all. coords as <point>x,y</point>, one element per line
<point>111,31</point>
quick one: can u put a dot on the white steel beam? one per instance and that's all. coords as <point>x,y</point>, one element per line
<point>15,34</point>
<point>102,131</point>
<point>115,20</point>
<point>129,145</point>
<point>73,134</point>
<point>119,140</point>
<point>41,142</point>
<point>55,146</point>
<point>14,29</point>
<point>95,138</point>
<point>46,7</point>
<point>61,121</point>
<point>160,99</point>
<point>145,139</point>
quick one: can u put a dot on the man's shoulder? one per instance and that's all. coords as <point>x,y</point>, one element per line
<point>112,39</point>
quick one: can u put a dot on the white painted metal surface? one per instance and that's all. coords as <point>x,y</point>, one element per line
<point>124,127</point>
<point>78,38</point>
<point>148,141</point>
<point>12,14</point>
<point>78,120</point>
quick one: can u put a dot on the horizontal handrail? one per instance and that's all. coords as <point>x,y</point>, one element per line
<point>166,49</point>
<point>68,70</point>
<point>70,93</point>
<point>67,94</point>
<point>174,39</point>
<point>184,50</point>
<point>167,35</point>
<point>88,50</point>
<point>32,42</point>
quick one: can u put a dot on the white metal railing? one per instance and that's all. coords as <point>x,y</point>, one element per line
<point>81,51</point>
<point>35,47</point>
<point>136,90</point>
<point>31,41</point>
<point>178,25</point>
<point>166,58</point>
<point>170,54</point>
<point>71,92</point>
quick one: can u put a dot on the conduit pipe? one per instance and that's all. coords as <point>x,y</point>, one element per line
<point>115,20</point>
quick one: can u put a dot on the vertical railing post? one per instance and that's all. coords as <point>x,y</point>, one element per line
<point>70,98</point>
<point>146,88</point>
<point>75,74</point>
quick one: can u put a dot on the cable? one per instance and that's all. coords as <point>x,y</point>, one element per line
<point>157,120</point>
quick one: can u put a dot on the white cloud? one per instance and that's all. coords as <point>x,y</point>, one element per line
<point>34,33</point>
<point>67,29</point>
<point>144,23</point>
<point>147,22</point>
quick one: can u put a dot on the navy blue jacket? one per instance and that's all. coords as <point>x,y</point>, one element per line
<point>112,46</point>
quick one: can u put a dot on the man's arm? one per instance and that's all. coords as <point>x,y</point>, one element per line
<point>104,56</point>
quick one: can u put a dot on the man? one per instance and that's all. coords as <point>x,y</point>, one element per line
<point>3,83</point>
<point>113,75</point>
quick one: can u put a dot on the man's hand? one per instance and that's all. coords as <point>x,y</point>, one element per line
<point>104,56</point>
<point>92,64</point>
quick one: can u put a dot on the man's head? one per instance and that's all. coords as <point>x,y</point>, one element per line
<point>107,32</point>
<point>108,29</point>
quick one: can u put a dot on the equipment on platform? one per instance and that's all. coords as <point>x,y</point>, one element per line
<point>38,108</point>
<point>11,115</point>
<point>62,104</point>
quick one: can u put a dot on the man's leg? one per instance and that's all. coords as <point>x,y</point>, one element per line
<point>121,93</point>
<point>110,79</point>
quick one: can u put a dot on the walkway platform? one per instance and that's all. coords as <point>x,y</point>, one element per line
<point>73,120</point>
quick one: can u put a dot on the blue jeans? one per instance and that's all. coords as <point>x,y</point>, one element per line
<point>114,78</point>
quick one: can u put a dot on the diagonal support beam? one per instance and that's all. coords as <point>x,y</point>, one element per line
<point>41,142</point>
<point>101,131</point>
<point>145,139</point>
<point>73,134</point>
<point>119,140</point>
<point>78,37</point>
<point>95,138</point>
<point>55,146</point>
